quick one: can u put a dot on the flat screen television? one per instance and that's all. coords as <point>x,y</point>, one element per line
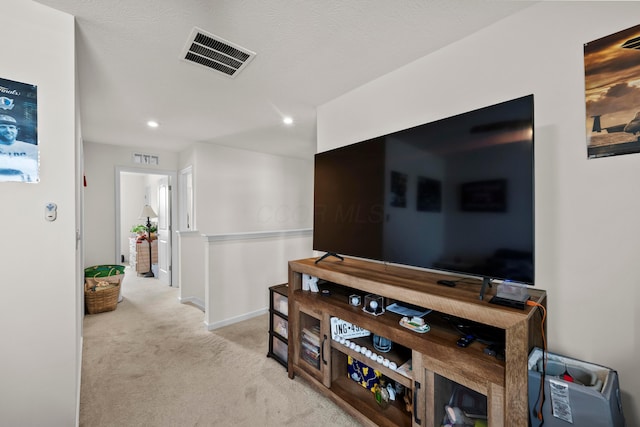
<point>453,195</point>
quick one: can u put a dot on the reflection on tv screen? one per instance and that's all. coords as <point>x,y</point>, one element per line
<point>455,194</point>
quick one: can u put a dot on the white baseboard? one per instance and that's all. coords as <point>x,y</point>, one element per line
<point>226,322</point>
<point>193,300</point>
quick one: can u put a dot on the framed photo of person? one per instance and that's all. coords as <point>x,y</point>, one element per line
<point>19,151</point>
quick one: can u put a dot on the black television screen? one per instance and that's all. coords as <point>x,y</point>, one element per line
<point>453,195</point>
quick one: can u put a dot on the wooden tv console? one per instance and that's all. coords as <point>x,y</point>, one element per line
<point>438,363</point>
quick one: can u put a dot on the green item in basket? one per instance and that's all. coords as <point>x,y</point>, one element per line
<point>103,270</point>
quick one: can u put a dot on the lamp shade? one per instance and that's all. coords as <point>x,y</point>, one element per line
<point>147,212</point>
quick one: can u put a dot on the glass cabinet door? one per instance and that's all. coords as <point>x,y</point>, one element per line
<point>313,344</point>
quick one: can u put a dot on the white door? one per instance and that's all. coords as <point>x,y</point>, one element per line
<point>164,230</point>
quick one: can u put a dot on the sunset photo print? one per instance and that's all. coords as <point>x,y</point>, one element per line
<point>612,93</point>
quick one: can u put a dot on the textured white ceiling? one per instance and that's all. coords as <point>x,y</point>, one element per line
<point>308,52</point>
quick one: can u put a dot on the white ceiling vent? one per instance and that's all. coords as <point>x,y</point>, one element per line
<point>216,53</point>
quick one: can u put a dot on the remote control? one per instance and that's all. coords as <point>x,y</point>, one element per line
<point>465,341</point>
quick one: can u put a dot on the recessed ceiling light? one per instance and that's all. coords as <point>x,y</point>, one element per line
<point>153,124</point>
<point>287,120</point>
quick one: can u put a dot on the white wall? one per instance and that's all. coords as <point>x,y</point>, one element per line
<point>239,190</point>
<point>191,280</point>
<point>238,194</point>
<point>100,162</point>
<point>151,185</point>
<point>240,268</point>
<point>587,227</point>
<point>132,198</point>
<point>39,316</point>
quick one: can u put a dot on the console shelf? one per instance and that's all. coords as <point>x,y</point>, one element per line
<point>393,356</point>
<point>357,397</point>
<point>434,354</point>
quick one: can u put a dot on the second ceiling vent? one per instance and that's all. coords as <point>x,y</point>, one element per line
<point>216,53</point>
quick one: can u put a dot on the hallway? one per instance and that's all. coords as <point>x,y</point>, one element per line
<point>151,362</point>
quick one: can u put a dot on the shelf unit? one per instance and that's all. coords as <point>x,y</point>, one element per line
<point>278,323</point>
<point>435,356</point>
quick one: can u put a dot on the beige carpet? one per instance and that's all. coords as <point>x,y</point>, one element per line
<point>151,362</point>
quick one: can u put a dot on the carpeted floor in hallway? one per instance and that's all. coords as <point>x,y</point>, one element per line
<point>151,362</point>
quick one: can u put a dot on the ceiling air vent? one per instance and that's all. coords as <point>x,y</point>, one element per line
<point>216,53</point>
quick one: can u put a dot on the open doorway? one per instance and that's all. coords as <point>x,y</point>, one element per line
<point>135,188</point>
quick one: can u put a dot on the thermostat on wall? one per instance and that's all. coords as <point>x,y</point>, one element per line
<point>51,211</point>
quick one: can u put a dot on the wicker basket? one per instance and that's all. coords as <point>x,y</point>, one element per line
<point>101,294</point>
<point>108,272</point>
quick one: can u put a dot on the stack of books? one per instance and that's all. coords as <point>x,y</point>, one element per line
<point>311,345</point>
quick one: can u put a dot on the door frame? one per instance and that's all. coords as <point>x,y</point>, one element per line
<point>186,219</point>
<point>172,175</point>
